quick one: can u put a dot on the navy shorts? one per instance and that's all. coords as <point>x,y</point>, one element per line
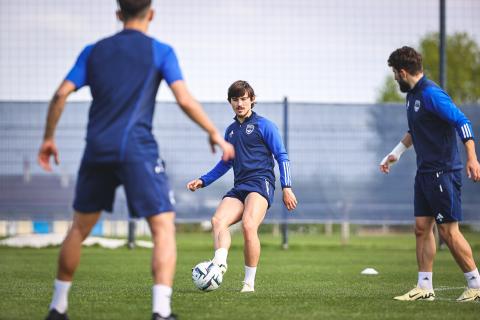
<point>260,185</point>
<point>145,183</point>
<point>438,195</point>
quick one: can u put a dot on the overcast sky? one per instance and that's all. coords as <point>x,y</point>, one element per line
<point>308,50</point>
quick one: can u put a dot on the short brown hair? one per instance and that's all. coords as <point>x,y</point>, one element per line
<point>131,9</point>
<point>239,88</point>
<point>406,58</point>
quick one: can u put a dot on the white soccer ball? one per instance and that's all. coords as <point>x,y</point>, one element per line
<point>207,276</point>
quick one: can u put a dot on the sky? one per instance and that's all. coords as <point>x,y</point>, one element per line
<point>329,51</point>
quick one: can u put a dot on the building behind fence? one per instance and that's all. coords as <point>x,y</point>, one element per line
<point>334,150</point>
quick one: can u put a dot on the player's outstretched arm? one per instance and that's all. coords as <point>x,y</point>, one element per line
<point>472,166</point>
<point>194,111</point>
<point>289,199</point>
<point>55,109</point>
<point>195,184</point>
<point>396,153</point>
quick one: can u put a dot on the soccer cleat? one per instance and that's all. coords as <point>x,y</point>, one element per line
<point>53,314</point>
<point>247,288</point>
<point>156,316</point>
<point>223,268</point>
<point>417,293</point>
<point>470,294</point>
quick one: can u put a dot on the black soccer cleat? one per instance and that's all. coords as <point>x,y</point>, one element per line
<point>156,316</point>
<point>55,315</point>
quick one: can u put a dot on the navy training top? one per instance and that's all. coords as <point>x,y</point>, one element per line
<point>255,141</point>
<point>433,120</point>
<point>123,72</point>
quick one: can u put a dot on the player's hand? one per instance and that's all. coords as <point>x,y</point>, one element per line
<point>473,170</point>
<point>387,163</point>
<point>194,185</point>
<point>289,199</point>
<point>48,149</point>
<point>227,148</point>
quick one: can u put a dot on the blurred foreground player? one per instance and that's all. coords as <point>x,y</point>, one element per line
<point>433,122</point>
<point>123,72</point>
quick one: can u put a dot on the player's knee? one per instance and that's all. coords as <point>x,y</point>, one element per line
<point>421,231</point>
<point>162,229</point>
<point>249,227</point>
<point>218,223</point>
<point>81,229</point>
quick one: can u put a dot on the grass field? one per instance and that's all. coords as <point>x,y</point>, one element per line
<point>317,278</point>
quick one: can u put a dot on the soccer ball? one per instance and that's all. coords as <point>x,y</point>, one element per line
<point>207,276</point>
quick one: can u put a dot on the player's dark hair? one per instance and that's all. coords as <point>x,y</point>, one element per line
<point>131,9</point>
<point>238,90</point>
<point>406,58</point>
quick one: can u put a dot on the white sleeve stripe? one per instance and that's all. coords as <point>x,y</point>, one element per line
<point>467,130</point>
<point>470,134</point>
<point>463,131</point>
<point>286,170</point>
<point>288,173</point>
<point>289,177</point>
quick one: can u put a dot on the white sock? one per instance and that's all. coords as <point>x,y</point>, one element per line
<point>220,256</point>
<point>60,295</point>
<point>161,300</point>
<point>473,279</point>
<point>425,280</point>
<point>250,275</point>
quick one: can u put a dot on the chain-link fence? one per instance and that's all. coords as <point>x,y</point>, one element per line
<point>334,150</point>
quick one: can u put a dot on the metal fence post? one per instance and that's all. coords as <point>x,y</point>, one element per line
<point>442,73</point>
<point>131,233</point>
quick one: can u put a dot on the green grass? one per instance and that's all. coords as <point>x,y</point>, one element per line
<point>317,278</point>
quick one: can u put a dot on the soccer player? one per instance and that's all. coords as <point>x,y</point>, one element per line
<point>123,72</point>
<point>255,139</point>
<point>433,121</point>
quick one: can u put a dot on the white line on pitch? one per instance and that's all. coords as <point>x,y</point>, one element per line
<point>447,288</point>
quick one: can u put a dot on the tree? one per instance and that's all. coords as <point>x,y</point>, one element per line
<point>463,68</point>
<point>390,91</point>
<point>463,65</point>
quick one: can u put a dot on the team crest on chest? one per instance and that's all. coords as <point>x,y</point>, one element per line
<point>416,107</point>
<point>249,129</point>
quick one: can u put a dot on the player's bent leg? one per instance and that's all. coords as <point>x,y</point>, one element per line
<point>253,215</point>
<point>255,209</point>
<point>228,213</point>
<point>68,260</point>
<point>164,259</point>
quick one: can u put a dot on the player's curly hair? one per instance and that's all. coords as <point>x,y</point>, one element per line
<point>131,9</point>
<point>238,89</point>
<point>406,58</point>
